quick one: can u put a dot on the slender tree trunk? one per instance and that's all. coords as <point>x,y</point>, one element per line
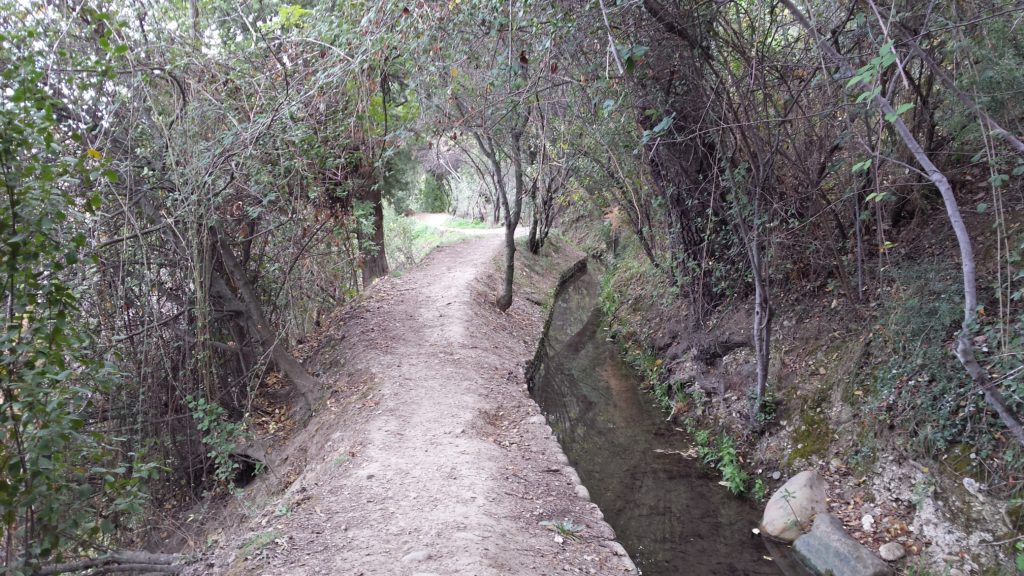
<point>504,301</point>
<point>512,208</point>
<point>762,326</point>
<point>762,331</point>
<point>533,242</point>
<point>859,229</point>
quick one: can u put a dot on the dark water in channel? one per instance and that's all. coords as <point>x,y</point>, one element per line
<point>669,513</point>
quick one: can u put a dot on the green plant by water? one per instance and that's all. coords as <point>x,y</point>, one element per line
<point>565,528</point>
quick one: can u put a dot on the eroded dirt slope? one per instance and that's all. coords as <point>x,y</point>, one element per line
<point>436,461</point>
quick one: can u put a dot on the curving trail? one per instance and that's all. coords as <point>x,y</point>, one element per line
<point>442,464</point>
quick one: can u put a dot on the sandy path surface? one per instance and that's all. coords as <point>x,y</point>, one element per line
<point>444,466</point>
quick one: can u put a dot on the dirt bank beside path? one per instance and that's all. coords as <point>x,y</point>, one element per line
<point>429,457</point>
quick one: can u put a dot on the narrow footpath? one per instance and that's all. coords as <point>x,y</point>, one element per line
<point>437,461</point>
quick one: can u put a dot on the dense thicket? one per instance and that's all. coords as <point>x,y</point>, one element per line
<point>842,148</point>
<point>191,187</point>
<point>785,144</point>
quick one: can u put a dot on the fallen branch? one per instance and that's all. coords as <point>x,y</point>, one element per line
<point>114,562</point>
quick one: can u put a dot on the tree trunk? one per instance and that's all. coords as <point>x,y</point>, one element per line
<point>128,561</point>
<point>305,384</point>
<point>512,209</point>
<point>247,308</point>
<point>533,243</point>
<point>762,326</point>
<point>504,301</point>
<point>762,337</point>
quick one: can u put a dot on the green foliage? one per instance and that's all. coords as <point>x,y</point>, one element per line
<point>565,528</point>
<point>898,111</point>
<point>255,544</point>
<point>219,435</point>
<point>760,490</point>
<point>869,73</point>
<point>408,241</point>
<point>288,16</point>
<point>466,223</point>
<point>921,387</point>
<point>720,452</point>
<point>62,486</point>
<point>398,179</point>
<point>769,405</point>
<point>434,196</point>
<point>608,300</point>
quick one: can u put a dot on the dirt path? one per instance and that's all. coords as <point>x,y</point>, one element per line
<point>440,221</point>
<point>442,464</point>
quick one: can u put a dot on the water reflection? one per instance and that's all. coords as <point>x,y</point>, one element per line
<point>668,512</point>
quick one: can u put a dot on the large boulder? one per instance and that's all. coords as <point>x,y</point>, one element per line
<point>792,507</point>
<point>828,549</point>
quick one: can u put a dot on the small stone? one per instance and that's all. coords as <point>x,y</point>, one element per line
<point>956,572</point>
<point>891,551</point>
<point>973,486</point>
<point>559,539</point>
<point>776,475</point>
<point>616,548</point>
<point>582,492</point>
<point>416,556</point>
<point>868,523</point>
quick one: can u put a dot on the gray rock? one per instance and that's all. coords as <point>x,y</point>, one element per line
<point>828,549</point>
<point>891,552</point>
<point>615,548</point>
<point>792,506</point>
<point>416,556</point>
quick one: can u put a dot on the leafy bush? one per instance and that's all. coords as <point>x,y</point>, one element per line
<point>434,195</point>
<point>408,241</point>
<point>219,435</point>
<point>63,487</point>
